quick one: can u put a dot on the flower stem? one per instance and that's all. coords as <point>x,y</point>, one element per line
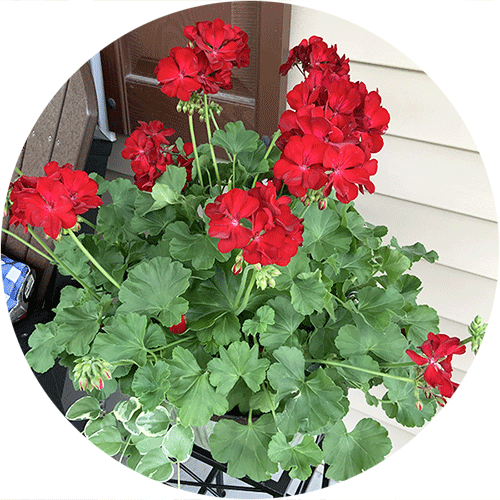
<point>183,339</point>
<point>61,263</point>
<point>372,372</point>
<point>91,258</point>
<point>273,142</point>
<point>397,365</point>
<point>195,148</point>
<point>244,303</point>
<point>209,135</point>
<point>18,171</point>
<point>242,287</point>
<point>85,221</point>
<point>31,247</point>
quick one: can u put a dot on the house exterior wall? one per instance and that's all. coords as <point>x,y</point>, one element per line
<point>431,186</point>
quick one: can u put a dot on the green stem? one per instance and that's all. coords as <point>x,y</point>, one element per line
<point>371,372</point>
<point>467,340</point>
<point>209,135</point>
<point>195,148</point>
<point>183,339</point>
<point>18,171</point>
<point>304,210</point>
<point>397,365</point>
<point>244,303</point>
<point>85,221</point>
<point>122,453</point>
<point>250,417</point>
<point>273,142</point>
<point>91,258</point>
<point>62,264</point>
<point>178,475</point>
<point>270,401</point>
<point>31,247</point>
<point>242,287</point>
<point>233,180</point>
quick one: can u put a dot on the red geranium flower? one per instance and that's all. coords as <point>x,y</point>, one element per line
<point>181,327</point>
<point>301,165</point>
<point>226,214</point>
<point>50,207</point>
<point>348,172</point>
<point>438,351</point>
<point>81,190</point>
<point>178,73</point>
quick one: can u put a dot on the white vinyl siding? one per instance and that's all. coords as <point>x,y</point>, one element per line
<point>431,187</point>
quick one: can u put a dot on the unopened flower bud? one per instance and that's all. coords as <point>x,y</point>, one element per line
<point>419,405</point>
<point>322,204</point>
<point>238,264</point>
<point>90,372</point>
<point>271,282</point>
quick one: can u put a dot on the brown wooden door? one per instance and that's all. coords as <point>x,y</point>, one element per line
<point>258,94</point>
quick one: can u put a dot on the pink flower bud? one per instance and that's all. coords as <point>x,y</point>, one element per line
<point>419,405</point>
<point>322,204</point>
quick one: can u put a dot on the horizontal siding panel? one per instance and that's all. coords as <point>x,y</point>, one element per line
<point>461,242</point>
<point>419,109</point>
<point>357,43</point>
<point>438,176</point>
<point>456,295</point>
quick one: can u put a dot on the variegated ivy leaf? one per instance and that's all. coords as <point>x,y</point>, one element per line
<point>107,439</point>
<point>124,410</point>
<point>178,442</point>
<point>84,408</point>
<point>155,465</point>
<point>154,423</point>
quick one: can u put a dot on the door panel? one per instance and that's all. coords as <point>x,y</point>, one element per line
<point>258,94</point>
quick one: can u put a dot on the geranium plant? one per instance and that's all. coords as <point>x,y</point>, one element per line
<point>237,277</point>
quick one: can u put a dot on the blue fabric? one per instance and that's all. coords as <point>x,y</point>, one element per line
<point>13,274</point>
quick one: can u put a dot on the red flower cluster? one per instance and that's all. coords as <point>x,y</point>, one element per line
<point>332,129</point>
<point>438,352</point>
<point>315,54</point>
<point>257,222</point>
<point>148,148</point>
<point>53,201</point>
<point>214,49</point>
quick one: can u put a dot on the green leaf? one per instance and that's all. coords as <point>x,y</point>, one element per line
<point>107,439</point>
<point>77,326</point>
<point>191,391</point>
<point>378,305</point>
<point>350,453</point>
<point>316,399</point>
<point>399,403</point>
<point>226,329</point>
<point>359,263</point>
<point>323,235</point>
<point>356,376</point>
<point>211,299</point>
<point>235,362</point>
<point>155,465</point>
<point>67,251</point>
<point>394,263</point>
<point>84,408</point>
<point>153,288</point>
<point>298,458</point>
<point>308,293</point>
<point>415,252</point>
<point>419,321</point>
<point>44,347</point>
<point>168,187</point>
<point>113,220</point>
<point>153,423</point>
<point>286,322</point>
<point>178,442</point>
<point>359,339</point>
<point>264,317</point>
<point>235,139</point>
<point>123,340</point>
<point>200,249</point>
<point>150,384</point>
<point>152,222</point>
<point>244,447</point>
